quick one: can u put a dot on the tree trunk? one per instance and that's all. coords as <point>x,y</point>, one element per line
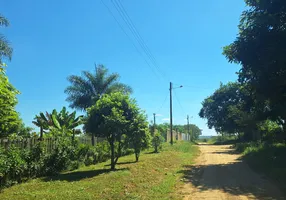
<point>73,135</point>
<point>137,154</point>
<point>112,153</point>
<point>41,133</point>
<point>284,130</point>
<point>118,153</point>
<point>92,139</point>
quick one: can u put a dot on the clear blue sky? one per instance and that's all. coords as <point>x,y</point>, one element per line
<point>53,39</point>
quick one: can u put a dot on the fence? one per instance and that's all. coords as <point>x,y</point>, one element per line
<point>50,143</point>
<point>177,136</point>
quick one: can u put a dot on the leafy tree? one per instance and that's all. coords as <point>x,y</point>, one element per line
<point>260,50</point>
<point>157,141</point>
<point>110,118</point>
<point>85,90</point>
<point>5,49</point>
<point>195,131</point>
<point>138,134</point>
<point>9,118</point>
<point>220,108</point>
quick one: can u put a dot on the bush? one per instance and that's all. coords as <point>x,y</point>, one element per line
<point>157,141</point>
<point>18,165</point>
<point>12,166</point>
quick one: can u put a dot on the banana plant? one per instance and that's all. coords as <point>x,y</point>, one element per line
<point>66,122</point>
<point>62,122</point>
<point>43,122</point>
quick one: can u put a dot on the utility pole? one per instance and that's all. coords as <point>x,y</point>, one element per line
<point>171,114</point>
<point>188,126</point>
<point>154,125</point>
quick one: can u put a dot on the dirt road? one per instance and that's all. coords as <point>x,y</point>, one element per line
<point>219,174</point>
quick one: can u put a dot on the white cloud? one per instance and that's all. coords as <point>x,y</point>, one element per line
<point>166,119</point>
<point>159,115</point>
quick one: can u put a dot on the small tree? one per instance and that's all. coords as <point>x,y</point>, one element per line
<point>157,142</point>
<point>111,117</point>
<point>139,135</point>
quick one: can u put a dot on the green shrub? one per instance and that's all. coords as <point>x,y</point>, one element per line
<point>12,166</point>
<point>157,141</point>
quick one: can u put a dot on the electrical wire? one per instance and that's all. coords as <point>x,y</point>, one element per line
<point>111,13</point>
<point>163,103</point>
<point>179,102</point>
<point>134,31</point>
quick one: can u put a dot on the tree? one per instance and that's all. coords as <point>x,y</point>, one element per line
<point>233,109</point>
<point>5,49</point>
<point>85,90</point>
<point>157,141</point>
<point>260,50</point>
<point>9,118</point>
<point>110,118</point>
<point>138,135</point>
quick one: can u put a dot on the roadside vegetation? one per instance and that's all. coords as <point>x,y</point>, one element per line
<point>111,124</point>
<point>251,111</point>
<point>155,176</point>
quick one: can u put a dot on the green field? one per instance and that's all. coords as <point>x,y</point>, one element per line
<point>155,176</point>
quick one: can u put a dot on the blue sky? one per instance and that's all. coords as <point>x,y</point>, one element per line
<point>53,39</point>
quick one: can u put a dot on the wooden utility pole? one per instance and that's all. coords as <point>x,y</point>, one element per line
<point>188,126</point>
<point>154,125</point>
<point>171,114</point>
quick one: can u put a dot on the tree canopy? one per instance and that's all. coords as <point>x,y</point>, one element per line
<point>5,48</point>
<point>85,90</point>
<point>114,117</point>
<point>9,117</point>
<point>260,49</point>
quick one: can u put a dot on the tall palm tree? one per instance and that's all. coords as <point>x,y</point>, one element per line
<point>85,90</point>
<point>5,49</point>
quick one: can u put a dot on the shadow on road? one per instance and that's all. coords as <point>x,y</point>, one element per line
<point>233,178</point>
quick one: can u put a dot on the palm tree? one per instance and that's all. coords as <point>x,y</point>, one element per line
<point>85,90</point>
<point>5,49</point>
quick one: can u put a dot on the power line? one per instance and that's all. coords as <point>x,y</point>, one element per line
<point>163,103</point>
<point>179,103</point>
<point>195,87</point>
<point>126,18</point>
<point>109,10</point>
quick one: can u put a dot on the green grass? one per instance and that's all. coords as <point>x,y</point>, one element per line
<point>155,176</point>
<point>268,159</point>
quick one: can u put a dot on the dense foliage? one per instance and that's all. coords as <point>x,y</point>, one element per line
<point>254,107</point>
<point>18,165</point>
<point>117,118</point>
<point>58,124</point>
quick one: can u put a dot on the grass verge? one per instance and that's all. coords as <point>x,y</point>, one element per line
<point>268,159</point>
<point>155,176</point>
